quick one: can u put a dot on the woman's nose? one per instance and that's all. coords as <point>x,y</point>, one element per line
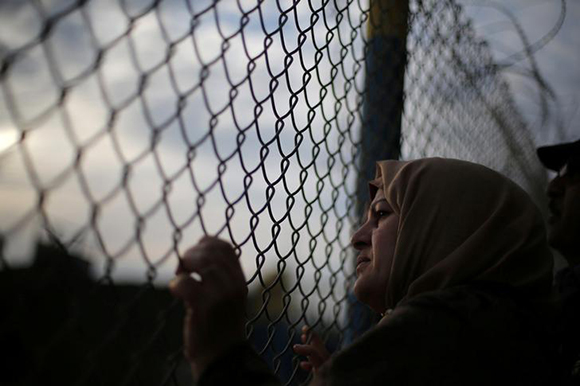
<point>362,237</point>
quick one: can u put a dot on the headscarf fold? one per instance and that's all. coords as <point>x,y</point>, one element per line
<point>459,223</point>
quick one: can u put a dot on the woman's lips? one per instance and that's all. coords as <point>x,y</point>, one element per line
<point>361,263</point>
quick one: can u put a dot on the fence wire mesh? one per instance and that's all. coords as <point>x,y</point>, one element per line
<point>130,128</point>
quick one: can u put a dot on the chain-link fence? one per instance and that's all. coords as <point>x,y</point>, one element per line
<point>130,128</point>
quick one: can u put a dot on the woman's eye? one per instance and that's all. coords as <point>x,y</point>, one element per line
<point>382,213</point>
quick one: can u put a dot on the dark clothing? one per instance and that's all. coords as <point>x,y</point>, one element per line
<point>568,283</point>
<point>568,286</point>
<point>240,366</point>
<point>468,335</point>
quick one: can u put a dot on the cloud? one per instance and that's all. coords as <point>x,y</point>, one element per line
<point>159,119</point>
<point>177,101</point>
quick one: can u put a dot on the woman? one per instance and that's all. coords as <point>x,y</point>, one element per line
<point>453,255</point>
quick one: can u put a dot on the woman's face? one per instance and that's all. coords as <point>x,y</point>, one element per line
<point>375,241</point>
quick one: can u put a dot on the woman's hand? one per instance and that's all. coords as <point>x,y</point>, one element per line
<point>314,350</point>
<point>215,304</point>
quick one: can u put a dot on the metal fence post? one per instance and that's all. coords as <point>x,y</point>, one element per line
<point>386,59</point>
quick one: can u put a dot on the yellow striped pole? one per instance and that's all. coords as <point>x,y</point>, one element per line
<point>386,58</point>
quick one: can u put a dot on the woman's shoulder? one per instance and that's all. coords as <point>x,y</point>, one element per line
<point>463,335</point>
<point>491,311</point>
<point>476,298</point>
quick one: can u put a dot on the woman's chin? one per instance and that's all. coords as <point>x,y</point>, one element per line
<point>359,290</point>
<point>367,294</point>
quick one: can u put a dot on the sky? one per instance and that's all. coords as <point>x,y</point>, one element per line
<point>557,61</point>
<point>137,176</point>
<point>118,168</point>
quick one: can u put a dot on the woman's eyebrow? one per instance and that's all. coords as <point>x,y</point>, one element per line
<point>379,201</point>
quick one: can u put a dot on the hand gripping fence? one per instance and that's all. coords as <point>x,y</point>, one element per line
<point>130,128</point>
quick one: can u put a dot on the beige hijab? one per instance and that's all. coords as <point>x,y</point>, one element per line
<point>461,222</point>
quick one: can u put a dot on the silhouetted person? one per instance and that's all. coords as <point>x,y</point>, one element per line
<point>564,236</point>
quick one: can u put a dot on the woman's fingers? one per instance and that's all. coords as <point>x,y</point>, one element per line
<point>313,348</point>
<point>306,366</point>
<point>185,288</point>
<point>304,349</point>
<point>312,353</point>
<point>311,338</point>
<point>314,341</point>
<point>210,250</point>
